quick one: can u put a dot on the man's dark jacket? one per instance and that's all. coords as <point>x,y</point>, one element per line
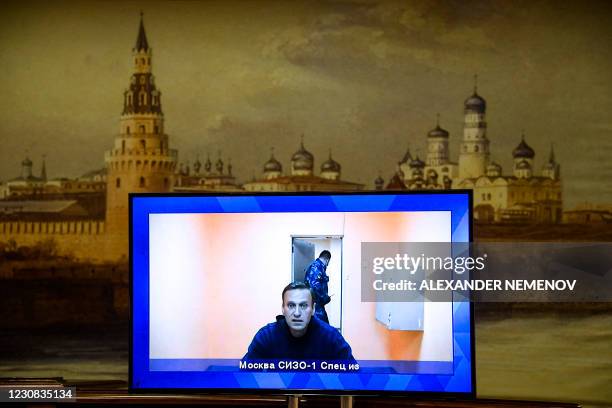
<point>321,341</point>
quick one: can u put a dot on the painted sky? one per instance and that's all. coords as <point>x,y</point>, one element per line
<point>365,79</point>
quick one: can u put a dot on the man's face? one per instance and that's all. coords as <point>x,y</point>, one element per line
<point>297,309</point>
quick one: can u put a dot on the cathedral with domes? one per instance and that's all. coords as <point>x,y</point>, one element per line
<point>525,195</point>
<point>301,176</point>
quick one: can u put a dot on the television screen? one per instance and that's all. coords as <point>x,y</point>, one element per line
<point>265,293</point>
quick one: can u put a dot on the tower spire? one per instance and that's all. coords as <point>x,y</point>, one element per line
<point>475,84</point>
<point>438,120</point>
<point>43,171</point>
<point>141,41</point>
<point>551,158</point>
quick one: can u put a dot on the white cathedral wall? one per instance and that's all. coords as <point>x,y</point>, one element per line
<point>495,196</point>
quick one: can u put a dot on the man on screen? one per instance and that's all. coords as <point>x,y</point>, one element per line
<point>297,334</point>
<point>317,279</point>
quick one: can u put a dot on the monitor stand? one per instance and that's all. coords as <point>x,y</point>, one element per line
<point>346,401</point>
<point>293,401</point>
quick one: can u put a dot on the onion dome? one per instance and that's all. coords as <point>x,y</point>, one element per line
<point>523,165</point>
<point>302,159</point>
<point>438,131</point>
<point>273,164</point>
<point>523,150</point>
<point>417,163</point>
<point>494,170</point>
<point>219,165</point>
<point>379,183</point>
<point>475,102</point>
<point>331,165</point>
<point>197,166</point>
<point>493,166</point>
<point>208,164</point>
<point>26,162</point>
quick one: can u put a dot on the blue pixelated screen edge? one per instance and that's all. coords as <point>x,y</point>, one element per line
<point>461,383</point>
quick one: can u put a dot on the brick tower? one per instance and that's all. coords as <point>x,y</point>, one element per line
<point>141,159</point>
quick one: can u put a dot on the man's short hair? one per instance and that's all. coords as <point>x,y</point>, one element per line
<point>297,285</point>
<point>325,254</point>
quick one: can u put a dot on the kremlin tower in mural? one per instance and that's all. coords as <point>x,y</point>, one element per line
<point>141,159</point>
<point>88,217</point>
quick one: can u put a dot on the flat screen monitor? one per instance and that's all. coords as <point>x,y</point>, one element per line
<point>264,293</point>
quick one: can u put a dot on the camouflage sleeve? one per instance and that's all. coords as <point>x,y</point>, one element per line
<point>315,279</point>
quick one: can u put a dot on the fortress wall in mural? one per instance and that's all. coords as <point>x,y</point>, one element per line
<point>83,239</point>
